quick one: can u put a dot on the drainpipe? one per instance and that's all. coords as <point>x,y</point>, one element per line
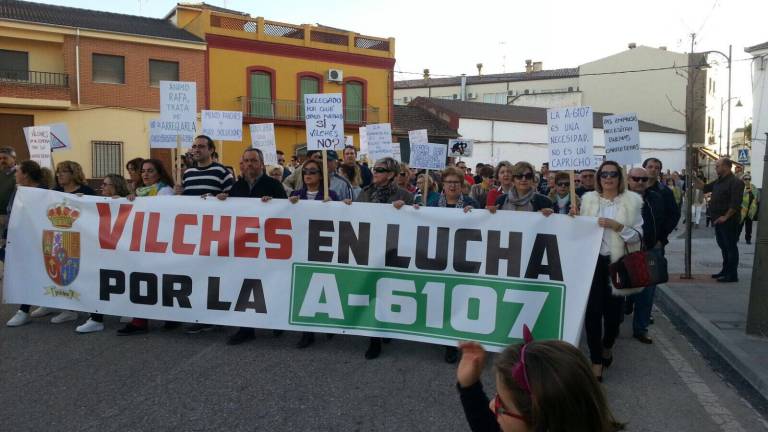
<point>77,65</point>
<point>493,124</point>
<point>463,95</point>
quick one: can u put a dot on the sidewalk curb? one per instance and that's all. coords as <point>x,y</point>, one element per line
<point>729,352</point>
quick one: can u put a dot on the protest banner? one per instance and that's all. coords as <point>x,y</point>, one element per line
<point>59,136</point>
<point>622,138</point>
<point>460,147</point>
<point>570,138</point>
<point>324,119</point>
<point>164,134</point>
<point>431,275</point>
<point>428,156</point>
<point>379,141</point>
<point>39,145</point>
<point>263,138</point>
<point>222,125</point>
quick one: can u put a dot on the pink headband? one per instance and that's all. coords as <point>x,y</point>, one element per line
<point>519,373</point>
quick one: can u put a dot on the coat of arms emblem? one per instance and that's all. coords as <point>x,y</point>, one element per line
<point>61,248</point>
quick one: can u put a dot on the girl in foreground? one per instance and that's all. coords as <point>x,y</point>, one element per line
<point>542,386</point>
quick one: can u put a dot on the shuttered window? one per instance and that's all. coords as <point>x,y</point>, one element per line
<point>307,85</point>
<point>108,69</point>
<point>160,70</point>
<point>14,65</point>
<point>353,105</point>
<point>261,94</point>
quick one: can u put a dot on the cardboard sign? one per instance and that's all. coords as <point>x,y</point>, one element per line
<point>570,138</point>
<point>622,138</point>
<point>428,156</point>
<point>223,125</point>
<point>324,117</point>
<point>379,141</point>
<point>39,144</point>
<point>263,138</point>
<point>460,147</point>
<point>164,134</point>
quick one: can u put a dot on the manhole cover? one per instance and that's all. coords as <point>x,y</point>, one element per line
<point>729,325</point>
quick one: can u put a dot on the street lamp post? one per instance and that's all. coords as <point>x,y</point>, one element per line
<point>722,105</point>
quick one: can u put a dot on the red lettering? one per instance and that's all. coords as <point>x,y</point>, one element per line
<point>243,237</point>
<point>179,247</point>
<point>220,236</point>
<point>110,234</point>
<point>271,226</point>
<point>152,244</point>
<point>138,230</point>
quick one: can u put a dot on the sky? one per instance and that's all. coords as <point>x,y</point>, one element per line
<point>451,37</point>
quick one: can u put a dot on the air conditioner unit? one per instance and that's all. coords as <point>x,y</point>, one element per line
<point>471,95</point>
<point>335,75</point>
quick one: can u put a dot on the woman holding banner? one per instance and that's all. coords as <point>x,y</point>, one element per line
<point>156,182</point>
<point>620,214</point>
<point>522,196</point>
<point>560,193</point>
<point>312,189</point>
<point>383,190</point>
<point>504,177</point>
<point>113,186</point>
<point>134,173</point>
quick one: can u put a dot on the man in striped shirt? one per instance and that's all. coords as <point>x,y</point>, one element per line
<point>206,177</point>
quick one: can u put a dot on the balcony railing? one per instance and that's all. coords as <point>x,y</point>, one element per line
<point>291,110</point>
<point>28,77</point>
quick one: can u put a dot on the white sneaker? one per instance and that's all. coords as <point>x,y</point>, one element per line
<point>63,317</point>
<point>41,312</point>
<point>125,319</point>
<point>19,319</point>
<point>90,326</point>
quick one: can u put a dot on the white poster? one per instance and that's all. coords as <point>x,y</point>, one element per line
<point>281,266</point>
<point>379,141</point>
<point>428,156</point>
<point>222,125</point>
<point>622,138</point>
<point>178,101</point>
<point>460,147</point>
<point>164,134</point>
<point>570,138</point>
<point>39,145</point>
<point>324,118</point>
<point>59,136</point>
<point>418,137</point>
<point>263,138</point>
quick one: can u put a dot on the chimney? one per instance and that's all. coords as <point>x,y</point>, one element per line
<point>479,69</point>
<point>663,48</point>
<point>537,66</point>
<point>632,45</point>
<point>426,74</point>
<point>463,95</point>
<point>529,66</point>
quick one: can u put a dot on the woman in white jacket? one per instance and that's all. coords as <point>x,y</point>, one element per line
<point>619,212</point>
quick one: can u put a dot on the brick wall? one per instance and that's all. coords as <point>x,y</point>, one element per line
<point>136,92</point>
<point>33,91</point>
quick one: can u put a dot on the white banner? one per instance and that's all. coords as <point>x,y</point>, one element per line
<point>263,138</point>
<point>324,119</point>
<point>570,138</point>
<point>622,138</point>
<point>39,144</point>
<point>222,125</point>
<point>313,266</point>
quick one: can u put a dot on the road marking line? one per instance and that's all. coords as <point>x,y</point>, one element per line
<point>711,404</point>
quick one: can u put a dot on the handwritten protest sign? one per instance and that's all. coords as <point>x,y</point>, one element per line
<point>178,101</point>
<point>379,141</point>
<point>223,125</point>
<point>263,138</point>
<point>622,138</point>
<point>324,117</point>
<point>460,147</point>
<point>428,156</point>
<point>570,138</point>
<point>418,137</point>
<point>39,144</point>
<point>164,134</point>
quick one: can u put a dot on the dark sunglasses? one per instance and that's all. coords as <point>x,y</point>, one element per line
<point>564,184</point>
<point>527,176</point>
<point>380,170</point>
<point>639,179</point>
<point>309,171</point>
<point>609,174</point>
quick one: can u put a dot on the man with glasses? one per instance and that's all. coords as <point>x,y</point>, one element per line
<point>206,177</point>
<point>586,182</point>
<point>653,227</point>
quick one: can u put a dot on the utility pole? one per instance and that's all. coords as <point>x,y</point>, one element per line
<point>689,141</point>
<point>757,311</point>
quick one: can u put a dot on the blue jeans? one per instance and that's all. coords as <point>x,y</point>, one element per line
<point>727,236</point>
<point>643,305</point>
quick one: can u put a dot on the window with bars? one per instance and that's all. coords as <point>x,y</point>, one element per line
<point>107,157</point>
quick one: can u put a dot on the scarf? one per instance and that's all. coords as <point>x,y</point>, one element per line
<point>150,190</point>
<point>384,193</point>
<point>520,203</point>
<point>443,202</point>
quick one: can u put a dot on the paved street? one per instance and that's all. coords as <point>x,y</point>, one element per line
<point>54,379</point>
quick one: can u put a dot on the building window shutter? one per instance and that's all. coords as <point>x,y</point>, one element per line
<point>354,102</point>
<point>108,69</point>
<point>107,158</point>
<point>14,65</point>
<point>162,71</point>
<point>307,85</point>
<point>261,94</point>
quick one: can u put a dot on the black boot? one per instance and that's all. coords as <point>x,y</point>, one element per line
<point>374,348</point>
<point>306,340</point>
<point>451,354</point>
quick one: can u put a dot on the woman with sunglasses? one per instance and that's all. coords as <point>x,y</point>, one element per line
<point>404,178</point>
<point>522,196</point>
<point>312,189</point>
<point>619,212</point>
<point>383,190</point>
<point>560,194</point>
<point>541,385</point>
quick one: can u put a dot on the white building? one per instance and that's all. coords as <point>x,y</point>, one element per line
<point>514,133</point>
<point>759,109</point>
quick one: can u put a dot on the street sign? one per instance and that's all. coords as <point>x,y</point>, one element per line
<point>744,156</point>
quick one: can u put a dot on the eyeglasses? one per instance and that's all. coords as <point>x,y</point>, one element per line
<point>309,171</point>
<point>380,170</point>
<point>499,409</point>
<point>527,176</point>
<point>609,174</point>
<point>639,179</point>
<point>564,184</point>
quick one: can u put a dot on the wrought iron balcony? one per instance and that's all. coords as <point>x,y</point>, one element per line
<point>291,110</point>
<point>28,77</point>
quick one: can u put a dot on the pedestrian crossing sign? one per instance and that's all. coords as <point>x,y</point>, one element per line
<point>744,156</point>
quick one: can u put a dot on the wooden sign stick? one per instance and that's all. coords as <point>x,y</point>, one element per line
<point>325,174</point>
<point>572,175</point>
<point>425,191</point>
<point>176,162</point>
